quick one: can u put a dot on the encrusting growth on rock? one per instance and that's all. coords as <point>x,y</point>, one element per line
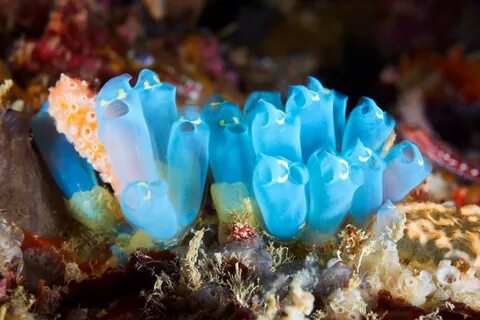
<point>72,105</point>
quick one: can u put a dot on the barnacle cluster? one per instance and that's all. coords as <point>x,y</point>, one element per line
<point>297,170</point>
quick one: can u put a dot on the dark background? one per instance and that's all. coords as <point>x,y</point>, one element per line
<point>260,44</point>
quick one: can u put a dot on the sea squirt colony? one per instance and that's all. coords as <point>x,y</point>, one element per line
<point>297,169</point>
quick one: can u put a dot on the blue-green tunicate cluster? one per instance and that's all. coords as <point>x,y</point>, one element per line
<point>160,156</point>
<point>294,167</point>
<point>303,165</point>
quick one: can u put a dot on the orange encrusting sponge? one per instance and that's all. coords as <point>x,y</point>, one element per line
<point>72,105</point>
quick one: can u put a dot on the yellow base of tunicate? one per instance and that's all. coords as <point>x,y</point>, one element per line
<point>233,204</point>
<point>97,209</point>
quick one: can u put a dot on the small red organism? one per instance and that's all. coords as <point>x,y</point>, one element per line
<point>459,196</point>
<point>243,232</point>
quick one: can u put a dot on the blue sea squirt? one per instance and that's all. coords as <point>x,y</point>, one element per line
<point>311,167</point>
<point>160,157</point>
<point>88,202</point>
<point>295,169</point>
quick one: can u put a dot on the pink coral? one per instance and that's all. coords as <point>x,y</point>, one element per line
<point>69,43</point>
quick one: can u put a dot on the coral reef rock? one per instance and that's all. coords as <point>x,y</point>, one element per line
<point>26,196</point>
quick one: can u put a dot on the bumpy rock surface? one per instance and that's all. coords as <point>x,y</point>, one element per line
<point>26,195</point>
